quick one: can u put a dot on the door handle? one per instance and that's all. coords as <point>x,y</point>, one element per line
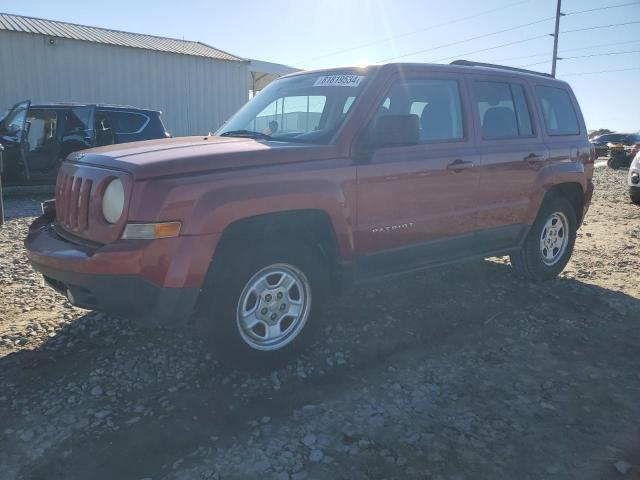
<point>532,158</point>
<point>459,165</point>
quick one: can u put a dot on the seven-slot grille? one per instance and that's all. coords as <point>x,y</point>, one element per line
<point>73,194</point>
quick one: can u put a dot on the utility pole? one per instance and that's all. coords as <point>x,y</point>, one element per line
<point>1,201</point>
<point>555,40</point>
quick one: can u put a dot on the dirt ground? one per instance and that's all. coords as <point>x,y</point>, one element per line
<point>465,372</point>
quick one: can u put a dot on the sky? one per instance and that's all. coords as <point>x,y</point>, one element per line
<point>325,33</point>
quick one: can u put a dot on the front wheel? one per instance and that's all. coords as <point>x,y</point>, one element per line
<point>634,194</point>
<point>264,301</point>
<point>549,244</point>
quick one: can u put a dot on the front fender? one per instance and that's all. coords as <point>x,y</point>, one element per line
<point>210,203</point>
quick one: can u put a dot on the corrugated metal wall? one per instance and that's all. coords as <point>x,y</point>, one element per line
<point>195,94</point>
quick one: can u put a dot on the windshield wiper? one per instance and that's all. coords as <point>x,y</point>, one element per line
<point>246,133</point>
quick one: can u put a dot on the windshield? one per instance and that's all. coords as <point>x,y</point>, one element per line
<point>300,109</point>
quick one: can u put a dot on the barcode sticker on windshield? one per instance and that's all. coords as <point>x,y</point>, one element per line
<point>339,81</point>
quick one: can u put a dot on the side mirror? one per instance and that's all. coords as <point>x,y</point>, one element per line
<point>396,130</point>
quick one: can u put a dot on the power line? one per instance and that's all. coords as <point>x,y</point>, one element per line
<point>566,50</point>
<point>537,63</point>
<point>601,26</point>
<point>599,55</point>
<point>467,39</point>
<point>490,48</point>
<point>516,42</point>
<point>406,34</point>
<point>602,8</point>
<point>583,56</point>
<point>600,71</point>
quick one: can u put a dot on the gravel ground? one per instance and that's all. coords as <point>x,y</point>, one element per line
<point>466,372</point>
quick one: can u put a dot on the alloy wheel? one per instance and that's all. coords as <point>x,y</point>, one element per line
<point>273,307</point>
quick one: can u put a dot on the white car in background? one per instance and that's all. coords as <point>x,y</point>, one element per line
<point>634,179</point>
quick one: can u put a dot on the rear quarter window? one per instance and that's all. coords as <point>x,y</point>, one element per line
<point>128,122</point>
<point>560,117</point>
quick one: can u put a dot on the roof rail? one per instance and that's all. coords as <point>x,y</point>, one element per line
<point>469,63</point>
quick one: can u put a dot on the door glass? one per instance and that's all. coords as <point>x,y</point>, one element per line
<point>104,132</point>
<point>436,103</point>
<point>503,110</point>
<point>77,120</point>
<point>522,110</point>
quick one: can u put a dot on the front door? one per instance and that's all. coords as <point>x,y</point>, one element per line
<point>416,204</point>
<point>13,136</point>
<point>42,141</point>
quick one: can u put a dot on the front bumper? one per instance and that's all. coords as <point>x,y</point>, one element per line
<point>156,280</point>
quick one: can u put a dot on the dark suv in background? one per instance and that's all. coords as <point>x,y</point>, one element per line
<point>38,137</point>
<point>600,143</point>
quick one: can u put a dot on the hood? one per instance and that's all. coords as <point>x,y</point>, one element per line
<point>184,155</point>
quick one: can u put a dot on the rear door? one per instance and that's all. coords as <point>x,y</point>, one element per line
<point>78,130</point>
<point>513,152</point>
<point>417,203</point>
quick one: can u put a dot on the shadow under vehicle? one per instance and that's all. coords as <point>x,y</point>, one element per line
<point>38,137</point>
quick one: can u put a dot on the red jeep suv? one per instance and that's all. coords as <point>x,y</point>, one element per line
<point>323,179</point>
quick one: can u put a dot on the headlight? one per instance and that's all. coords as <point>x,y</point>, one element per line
<point>113,201</point>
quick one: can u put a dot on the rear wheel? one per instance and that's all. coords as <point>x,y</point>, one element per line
<point>264,301</point>
<point>549,244</point>
<point>614,162</point>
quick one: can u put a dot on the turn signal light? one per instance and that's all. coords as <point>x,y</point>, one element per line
<point>151,231</point>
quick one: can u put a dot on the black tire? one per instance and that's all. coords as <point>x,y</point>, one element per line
<point>634,194</point>
<point>528,262</point>
<point>614,163</point>
<point>228,277</point>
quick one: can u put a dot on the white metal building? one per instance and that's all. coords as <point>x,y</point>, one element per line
<point>196,86</point>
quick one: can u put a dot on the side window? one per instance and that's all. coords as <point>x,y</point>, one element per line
<point>557,109</point>
<point>522,110</point>
<point>104,132</point>
<point>436,103</point>
<point>77,120</point>
<point>503,110</point>
<point>128,122</point>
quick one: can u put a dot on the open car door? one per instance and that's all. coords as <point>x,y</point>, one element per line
<point>14,130</point>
